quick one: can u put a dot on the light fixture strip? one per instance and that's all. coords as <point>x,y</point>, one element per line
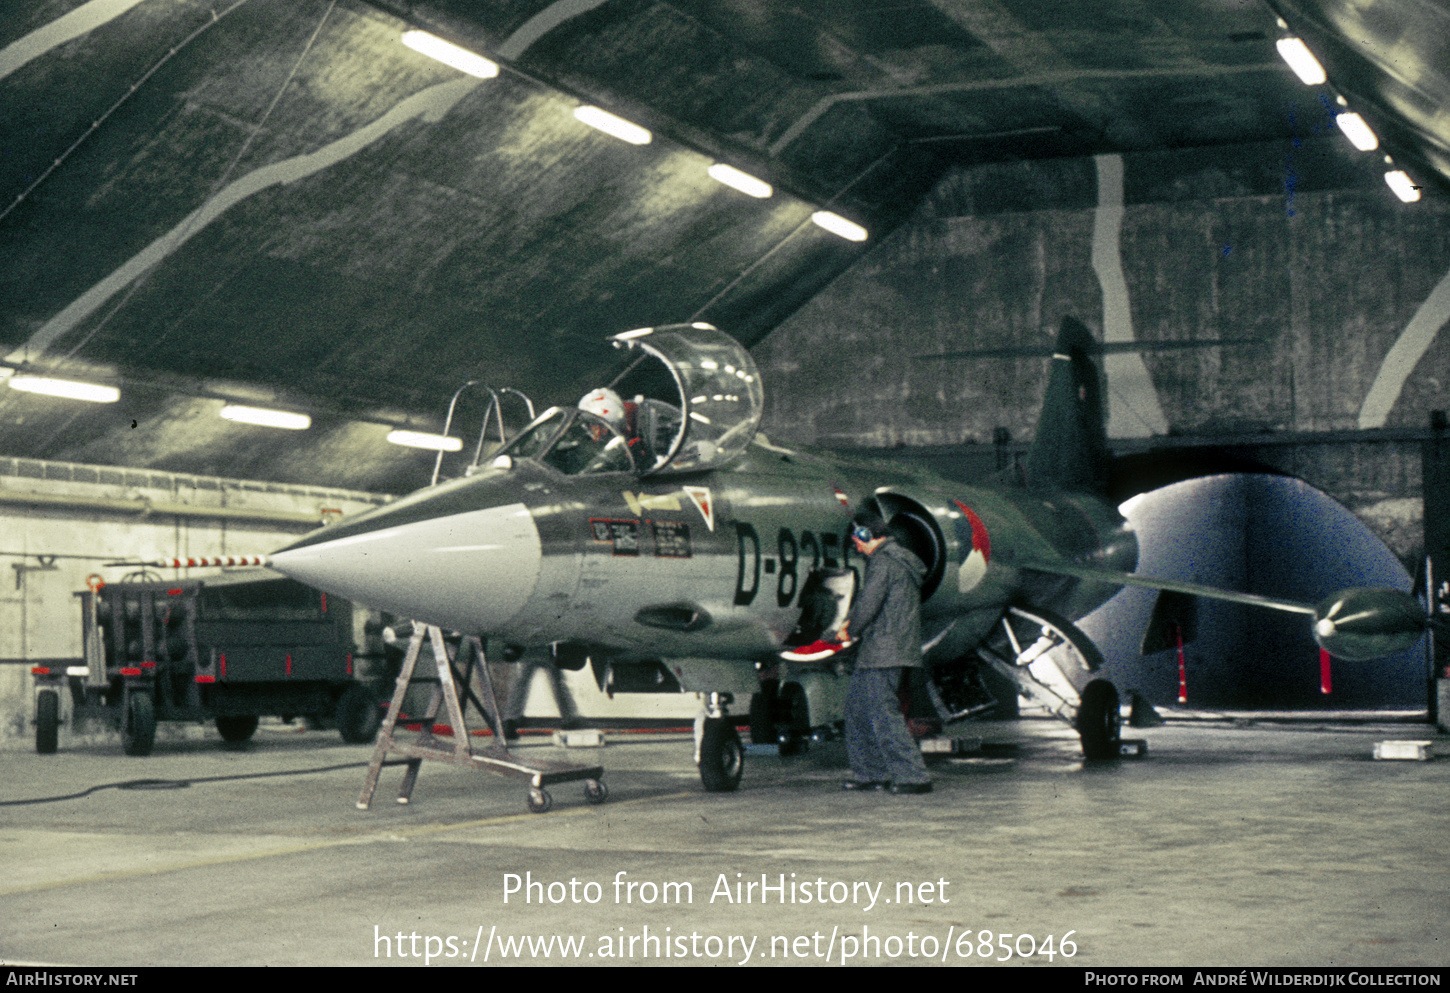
<point>838,225</point>
<point>617,127</point>
<point>421,439</point>
<point>1357,131</point>
<point>1302,61</point>
<point>263,417</point>
<point>65,388</point>
<point>738,180</point>
<point>1403,186</point>
<point>450,54</point>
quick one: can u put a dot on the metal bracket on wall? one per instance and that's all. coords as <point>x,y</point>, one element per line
<point>47,564</point>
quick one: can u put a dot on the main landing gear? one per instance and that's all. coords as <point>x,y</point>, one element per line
<point>1054,665</point>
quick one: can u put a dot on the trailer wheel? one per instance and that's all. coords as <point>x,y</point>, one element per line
<point>722,757</point>
<point>357,717</point>
<point>47,722</point>
<point>237,728</point>
<point>1098,721</point>
<point>138,727</point>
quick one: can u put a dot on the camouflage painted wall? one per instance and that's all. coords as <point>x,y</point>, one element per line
<point>1301,248</point>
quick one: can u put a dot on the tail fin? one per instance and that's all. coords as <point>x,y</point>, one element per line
<point>1071,448</point>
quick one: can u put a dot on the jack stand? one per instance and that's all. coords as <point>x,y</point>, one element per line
<point>428,745</point>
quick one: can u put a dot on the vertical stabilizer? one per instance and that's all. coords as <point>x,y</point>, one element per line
<point>1071,448</point>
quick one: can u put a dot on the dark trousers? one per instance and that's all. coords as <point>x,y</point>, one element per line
<point>878,745</point>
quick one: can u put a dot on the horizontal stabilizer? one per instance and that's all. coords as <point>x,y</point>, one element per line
<point>1097,348</point>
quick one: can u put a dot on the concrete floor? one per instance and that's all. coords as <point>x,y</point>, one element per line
<point>1226,845</point>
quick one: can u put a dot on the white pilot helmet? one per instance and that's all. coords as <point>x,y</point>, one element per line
<point>604,403</point>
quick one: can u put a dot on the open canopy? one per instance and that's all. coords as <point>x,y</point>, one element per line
<point>718,410</point>
<point>721,399</point>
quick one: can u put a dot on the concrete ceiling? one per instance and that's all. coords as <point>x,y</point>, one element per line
<point>276,202</point>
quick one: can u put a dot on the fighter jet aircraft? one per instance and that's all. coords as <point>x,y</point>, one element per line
<point>678,548</point>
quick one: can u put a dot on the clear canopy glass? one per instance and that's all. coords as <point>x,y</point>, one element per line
<point>721,399</point>
<point>721,402</point>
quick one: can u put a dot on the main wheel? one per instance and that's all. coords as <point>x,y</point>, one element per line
<point>47,722</point>
<point>762,713</point>
<point>138,726</point>
<point>794,737</point>
<point>357,715</point>
<point>237,728</point>
<point>722,757</point>
<point>1098,722</point>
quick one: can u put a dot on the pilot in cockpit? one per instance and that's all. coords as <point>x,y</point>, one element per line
<point>606,404</point>
<point>645,425</point>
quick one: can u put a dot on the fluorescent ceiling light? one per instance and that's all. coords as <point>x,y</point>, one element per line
<point>450,54</point>
<point>616,126</point>
<point>838,225</point>
<point>266,418</point>
<point>1403,186</point>
<point>421,439</point>
<point>742,181</point>
<point>1302,61</point>
<point>66,388</point>
<point>1358,132</point>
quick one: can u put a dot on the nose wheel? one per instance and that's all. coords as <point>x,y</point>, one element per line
<point>722,756</point>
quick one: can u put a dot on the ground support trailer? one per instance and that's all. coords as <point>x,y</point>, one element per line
<point>229,649</point>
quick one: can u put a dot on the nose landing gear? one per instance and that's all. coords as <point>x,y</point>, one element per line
<point>718,751</point>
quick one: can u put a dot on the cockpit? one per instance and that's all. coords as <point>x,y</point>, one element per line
<point>719,407</point>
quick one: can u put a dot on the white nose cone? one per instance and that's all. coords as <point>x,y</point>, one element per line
<point>470,572</point>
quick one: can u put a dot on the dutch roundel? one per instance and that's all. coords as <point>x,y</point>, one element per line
<point>972,535</point>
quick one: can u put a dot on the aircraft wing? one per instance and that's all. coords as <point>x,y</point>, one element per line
<point>1177,586</point>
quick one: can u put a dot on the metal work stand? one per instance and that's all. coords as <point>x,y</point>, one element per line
<point>477,688</point>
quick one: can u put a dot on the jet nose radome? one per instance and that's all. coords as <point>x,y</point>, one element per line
<point>468,571</point>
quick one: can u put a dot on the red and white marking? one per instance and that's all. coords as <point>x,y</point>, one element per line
<point>974,566</point>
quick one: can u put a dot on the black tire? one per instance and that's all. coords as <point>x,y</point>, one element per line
<point>138,726</point>
<point>1098,722</point>
<point>722,757</point>
<point>762,714</point>
<point>595,791</point>
<point>358,716</point>
<point>797,710</point>
<point>237,728</point>
<point>47,722</point>
<point>539,801</point>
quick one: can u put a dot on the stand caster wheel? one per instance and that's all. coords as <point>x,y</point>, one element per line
<point>539,801</point>
<point>595,791</point>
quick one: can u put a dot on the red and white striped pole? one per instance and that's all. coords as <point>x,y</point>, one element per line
<point>209,562</point>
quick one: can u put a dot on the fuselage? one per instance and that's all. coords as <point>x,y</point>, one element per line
<point>704,565</point>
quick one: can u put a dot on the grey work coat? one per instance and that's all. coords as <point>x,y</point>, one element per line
<point>885,620</point>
